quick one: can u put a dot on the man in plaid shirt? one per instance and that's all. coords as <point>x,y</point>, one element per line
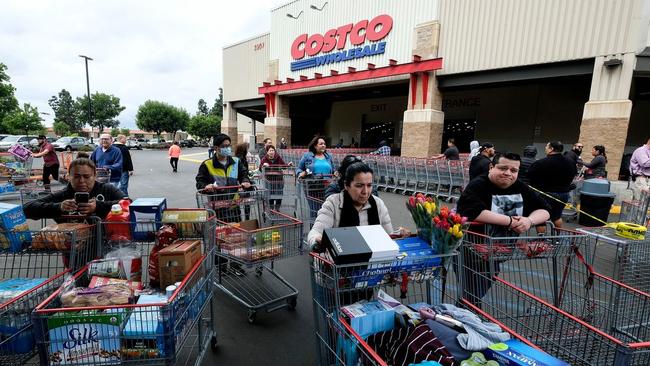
<point>384,149</point>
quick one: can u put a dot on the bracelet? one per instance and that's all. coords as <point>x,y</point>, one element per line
<point>531,221</point>
<point>510,224</point>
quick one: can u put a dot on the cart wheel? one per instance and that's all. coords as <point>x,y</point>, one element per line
<point>258,271</point>
<point>214,344</point>
<point>292,302</point>
<point>251,316</point>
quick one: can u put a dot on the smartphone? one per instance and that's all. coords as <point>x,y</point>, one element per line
<point>81,197</point>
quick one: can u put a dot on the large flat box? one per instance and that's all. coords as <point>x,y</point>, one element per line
<point>146,217</point>
<point>143,336</point>
<point>415,255</point>
<point>188,222</point>
<point>361,244</point>
<point>87,336</point>
<point>516,353</point>
<point>14,231</point>
<point>176,261</point>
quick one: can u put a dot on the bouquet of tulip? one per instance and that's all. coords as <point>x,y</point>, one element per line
<point>440,227</point>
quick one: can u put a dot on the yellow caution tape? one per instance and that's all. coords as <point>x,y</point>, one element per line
<point>631,231</point>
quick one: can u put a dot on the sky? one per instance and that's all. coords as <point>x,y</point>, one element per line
<point>163,50</point>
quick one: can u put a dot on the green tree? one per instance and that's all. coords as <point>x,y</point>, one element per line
<point>115,132</point>
<point>61,128</point>
<point>203,108</point>
<point>217,108</point>
<point>8,102</point>
<point>104,110</point>
<point>24,120</point>
<point>65,112</point>
<point>204,127</point>
<point>159,116</point>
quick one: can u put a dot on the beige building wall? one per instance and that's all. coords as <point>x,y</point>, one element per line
<point>245,66</point>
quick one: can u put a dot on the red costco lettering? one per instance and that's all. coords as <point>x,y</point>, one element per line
<point>373,30</point>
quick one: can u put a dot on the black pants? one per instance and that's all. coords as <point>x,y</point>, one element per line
<point>47,170</point>
<point>174,163</point>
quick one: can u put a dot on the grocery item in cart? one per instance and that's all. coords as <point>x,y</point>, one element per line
<point>369,317</point>
<point>359,244</point>
<point>20,152</point>
<point>516,353</point>
<point>112,268</point>
<point>89,337</point>
<point>143,336</point>
<point>116,226</point>
<point>189,223</point>
<point>97,281</point>
<point>146,217</point>
<point>14,231</point>
<point>61,236</point>
<point>14,287</point>
<point>7,188</point>
<point>164,237</point>
<point>112,294</point>
<point>130,259</point>
<point>176,260</point>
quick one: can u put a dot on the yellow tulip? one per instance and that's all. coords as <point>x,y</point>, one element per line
<point>450,231</point>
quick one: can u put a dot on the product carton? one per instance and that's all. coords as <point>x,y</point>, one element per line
<point>145,215</point>
<point>516,353</point>
<point>14,231</point>
<point>143,335</point>
<point>176,261</point>
<point>91,337</point>
<point>189,223</point>
<point>360,244</point>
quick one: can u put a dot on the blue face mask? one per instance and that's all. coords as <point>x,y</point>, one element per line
<point>225,151</point>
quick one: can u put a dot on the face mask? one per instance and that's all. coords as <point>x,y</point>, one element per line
<point>225,151</point>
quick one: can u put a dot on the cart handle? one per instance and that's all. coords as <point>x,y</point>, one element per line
<point>363,343</point>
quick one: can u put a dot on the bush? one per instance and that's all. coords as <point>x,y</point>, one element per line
<point>86,149</point>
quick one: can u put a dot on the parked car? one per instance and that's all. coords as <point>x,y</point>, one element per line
<point>11,140</point>
<point>70,143</point>
<point>187,143</point>
<point>34,142</point>
<point>133,144</point>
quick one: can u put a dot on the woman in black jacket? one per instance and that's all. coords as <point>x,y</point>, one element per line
<point>596,167</point>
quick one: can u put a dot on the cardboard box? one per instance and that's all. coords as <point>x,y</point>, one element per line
<point>189,223</point>
<point>414,252</point>
<point>144,335</point>
<point>516,353</point>
<point>360,244</point>
<point>146,217</point>
<point>14,231</point>
<point>369,317</point>
<point>87,336</point>
<point>176,261</point>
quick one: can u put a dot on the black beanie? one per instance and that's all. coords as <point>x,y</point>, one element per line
<point>220,138</point>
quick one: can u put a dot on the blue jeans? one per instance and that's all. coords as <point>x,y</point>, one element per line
<point>124,183</point>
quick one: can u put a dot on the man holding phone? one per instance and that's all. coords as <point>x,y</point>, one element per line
<point>83,196</point>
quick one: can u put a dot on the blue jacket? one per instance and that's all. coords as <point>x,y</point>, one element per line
<point>307,162</point>
<point>111,159</point>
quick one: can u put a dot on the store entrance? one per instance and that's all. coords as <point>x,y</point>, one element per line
<point>462,130</point>
<point>373,133</point>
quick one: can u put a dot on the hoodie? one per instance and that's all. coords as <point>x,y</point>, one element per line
<point>473,149</point>
<point>530,152</point>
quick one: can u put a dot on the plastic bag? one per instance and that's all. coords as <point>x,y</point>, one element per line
<point>130,259</point>
<point>164,237</point>
<point>113,294</point>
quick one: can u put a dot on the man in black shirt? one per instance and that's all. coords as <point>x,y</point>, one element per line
<point>507,206</point>
<point>574,154</point>
<point>480,164</point>
<point>553,175</point>
<point>127,164</point>
<point>451,153</point>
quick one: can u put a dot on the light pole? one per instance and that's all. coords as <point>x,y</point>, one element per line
<point>86,58</point>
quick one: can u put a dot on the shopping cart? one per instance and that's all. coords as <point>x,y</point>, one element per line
<point>33,266</point>
<point>66,158</point>
<point>175,330</point>
<point>636,211</point>
<point>14,171</point>
<point>543,291</point>
<point>622,259</point>
<point>411,280</point>
<point>250,238</point>
<point>312,197</point>
<point>280,183</point>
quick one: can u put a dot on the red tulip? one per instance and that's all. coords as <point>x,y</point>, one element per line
<point>412,201</point>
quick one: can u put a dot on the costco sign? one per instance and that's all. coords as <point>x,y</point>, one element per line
<point>306,49</point>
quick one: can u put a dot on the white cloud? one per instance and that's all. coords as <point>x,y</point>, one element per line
<point>163,50</point>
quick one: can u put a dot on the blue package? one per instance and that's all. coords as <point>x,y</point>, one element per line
<point>414,251</point>
<point>145,215</point>
<point>143,334</point>
<point>15,232</point>
<point>369,317</point>
<point>516,353</point>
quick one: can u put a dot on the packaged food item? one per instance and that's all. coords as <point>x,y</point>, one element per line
<point>112,268</point>
<point>61,236</point>
<point>146,216</point>
<point>176,260</point>
<point>89,337</point>
<point>112,294</point>
<point>143,334</point>
<point>13,287</point>
<point>164,237</point>
<point>97,281</point>
<point>516,353</point>
<point>130,259</point>
<point>14,228</point>
<point>189,223</point>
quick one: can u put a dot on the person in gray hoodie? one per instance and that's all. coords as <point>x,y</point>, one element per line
<point>530,152</point>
